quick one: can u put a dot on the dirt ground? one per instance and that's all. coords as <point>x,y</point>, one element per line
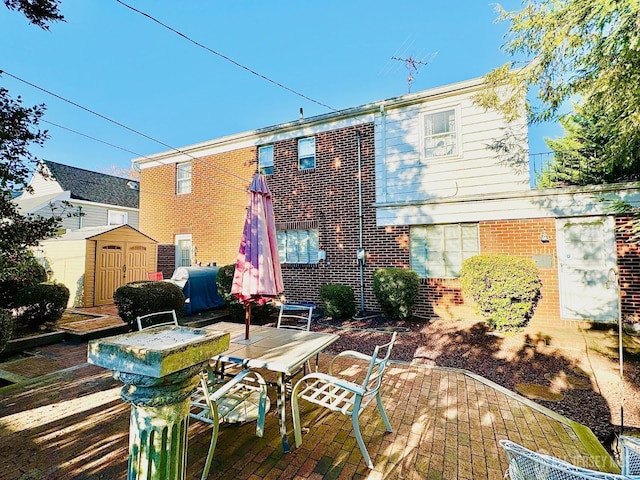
<point>580,382</point>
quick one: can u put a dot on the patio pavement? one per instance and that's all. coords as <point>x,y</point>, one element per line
<point>63,419</point>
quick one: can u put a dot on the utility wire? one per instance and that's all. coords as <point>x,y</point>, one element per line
<point>237,64</point>
<point>115,122</point>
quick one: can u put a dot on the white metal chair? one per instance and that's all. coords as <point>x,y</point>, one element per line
<point>296,316</point>
<point>340,395</point>
<point>525,464</point>
<point>630,455</point>
<point>242,397</point>
<point>157,319</point>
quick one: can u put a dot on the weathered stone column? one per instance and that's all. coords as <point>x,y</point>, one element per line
<point>159,368</point>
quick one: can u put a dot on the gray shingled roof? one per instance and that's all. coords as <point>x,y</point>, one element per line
<point>95,187</point>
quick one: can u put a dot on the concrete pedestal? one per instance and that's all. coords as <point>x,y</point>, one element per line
<point>160,370</point>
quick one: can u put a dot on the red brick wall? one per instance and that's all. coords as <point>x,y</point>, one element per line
<point>213,213</point>
<point>628,267</point>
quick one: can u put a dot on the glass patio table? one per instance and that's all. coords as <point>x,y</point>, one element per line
<point>279,350</point>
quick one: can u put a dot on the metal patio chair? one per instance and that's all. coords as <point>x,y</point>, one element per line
<point>630,455</point>
<point>236,400</point>
<point>157,319</point>
<point>341,395</point>
<point>296,316</point>
<point>525,464</point>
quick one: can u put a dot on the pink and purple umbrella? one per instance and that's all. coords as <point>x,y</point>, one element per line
<point>257,277</point>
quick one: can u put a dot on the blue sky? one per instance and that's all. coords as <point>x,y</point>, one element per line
<point>123,66</point>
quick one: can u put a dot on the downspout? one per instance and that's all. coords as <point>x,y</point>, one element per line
<point>361,254</point>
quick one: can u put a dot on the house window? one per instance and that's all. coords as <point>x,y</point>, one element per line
<point>440,134</point>
<point>265,160</point>
<point>437,251</point>
<point>306,153</point>
<point>298,246</point>
<point>183,250</point>
<point>183,178</point>
<point>116,217</point>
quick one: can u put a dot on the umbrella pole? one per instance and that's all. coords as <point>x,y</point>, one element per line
<point>247,320</point>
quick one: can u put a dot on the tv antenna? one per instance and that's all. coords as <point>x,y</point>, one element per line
<point>413,65</point>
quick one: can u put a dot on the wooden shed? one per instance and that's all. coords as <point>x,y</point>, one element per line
<point>93,262</point>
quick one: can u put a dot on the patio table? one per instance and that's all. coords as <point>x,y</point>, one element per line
<point>279,350</point>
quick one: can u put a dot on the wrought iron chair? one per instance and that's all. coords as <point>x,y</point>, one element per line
<point>347,397</point>
<point>630,455</point>
<point>157,319</point>
<point>296,316</point>
<point>525,464</point>
<point>241,398</point>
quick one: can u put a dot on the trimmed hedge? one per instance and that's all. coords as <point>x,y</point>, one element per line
<point>224,280</point>
<point>41,303</point>
<point>505,288</point>
<point>6,327</point>
<point>144,297</point>
<point>396,290</point>
<point>337,300</point>
<point>17,276</point>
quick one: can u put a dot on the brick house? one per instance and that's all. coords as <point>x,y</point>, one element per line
<point>407,182</point>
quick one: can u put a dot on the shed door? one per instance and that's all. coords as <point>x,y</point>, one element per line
<point>118,263</point>
<point>586,255</point>
<point>110,270</point>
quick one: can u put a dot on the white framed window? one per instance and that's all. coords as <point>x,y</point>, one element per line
<point>437,251</point>
<point>183,250</point>
<point>298,246</point>
<point>306,153</point>
<point>265,160</point>
<point>441,133</point>
<point>117,217</point>
<point>183,178</point>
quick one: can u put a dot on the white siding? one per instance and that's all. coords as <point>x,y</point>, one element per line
<point>66,259</point>
<point>537,204</point>
<point>41,186</point>
<point>93,215</point>
<point>402,175</point>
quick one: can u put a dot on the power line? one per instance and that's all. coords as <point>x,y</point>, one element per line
<point>225,57</point>
<point>115,122</point>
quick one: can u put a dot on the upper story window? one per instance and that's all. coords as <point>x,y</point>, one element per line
<point>441,134</point>
<point>183,178</point>
<point>116,217</point>
<point>437,251</point>
<point>298,246</point>
<point>265,160</point>
<point>306,153</point>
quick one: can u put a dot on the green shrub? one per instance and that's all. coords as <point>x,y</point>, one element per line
<point>18,274</point>
<point>224,280</point>
<point>41,303</point>
<point>505,288</point>
<point>396,290</point>
<point>143,297</point>
<point>6,327</point>
<point>337,300</point>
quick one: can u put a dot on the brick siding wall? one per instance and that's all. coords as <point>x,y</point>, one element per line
<point>628,267</point>
<point>213,213</point>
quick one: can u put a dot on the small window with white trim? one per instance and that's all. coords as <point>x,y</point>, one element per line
<point>265,160</point>
<point>440,134</point>
<point>298,246</point>
<point>117,217</point>
<point>306,153</point>
<point>183,178</point>
<point>183,250</point>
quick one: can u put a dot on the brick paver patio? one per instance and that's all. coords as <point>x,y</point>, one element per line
<point>72,424</point>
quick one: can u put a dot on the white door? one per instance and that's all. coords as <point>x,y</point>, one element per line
<point>587,262</point>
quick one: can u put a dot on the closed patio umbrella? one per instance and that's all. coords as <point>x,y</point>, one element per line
<point>257,277</point>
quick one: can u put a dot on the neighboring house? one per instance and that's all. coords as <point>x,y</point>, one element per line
<point>81,197</point>
<point>407,182</point>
